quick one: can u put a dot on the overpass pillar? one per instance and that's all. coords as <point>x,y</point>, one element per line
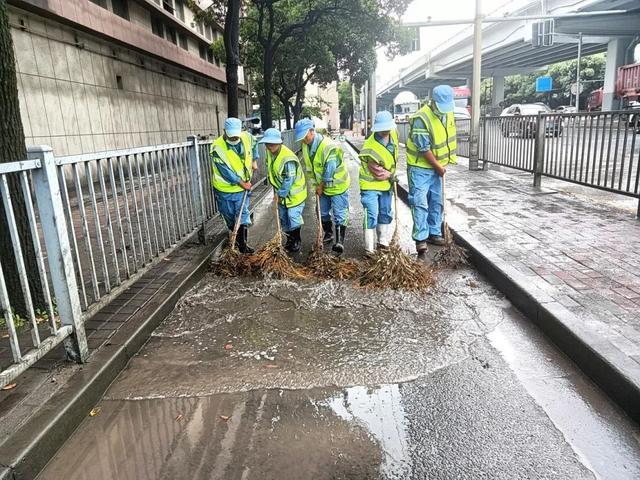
<point>497,92</point>
<point>616,50</point>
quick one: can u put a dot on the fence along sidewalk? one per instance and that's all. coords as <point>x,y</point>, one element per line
<point>106,218</point>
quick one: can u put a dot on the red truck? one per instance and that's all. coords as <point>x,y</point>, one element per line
<point>627,88</point>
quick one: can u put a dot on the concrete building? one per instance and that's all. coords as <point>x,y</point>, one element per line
<point>330,109</point>
<point>106,74</point>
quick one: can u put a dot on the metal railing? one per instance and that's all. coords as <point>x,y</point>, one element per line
<point>99,222</point>
<point>596,149</point>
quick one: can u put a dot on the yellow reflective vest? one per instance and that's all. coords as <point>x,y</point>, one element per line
<point>222,154</point>
<point>315,168</point>
<point>275,172</point>
<point>443,138</point>
<point>374,150</point>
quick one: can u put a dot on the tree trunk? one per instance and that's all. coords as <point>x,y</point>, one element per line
<point>12,148</point>
<point>232,50</point>
<point>287,113</point>
<point>267,82</point>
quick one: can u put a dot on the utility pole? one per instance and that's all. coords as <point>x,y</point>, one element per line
<point>578,71</point>
<point>474,142</point>
<point>365,96</point>
<point>354,113</point>
<point>373,108</point>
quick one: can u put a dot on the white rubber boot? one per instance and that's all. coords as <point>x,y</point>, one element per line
<point>385,232</point>
<point>370,240</point>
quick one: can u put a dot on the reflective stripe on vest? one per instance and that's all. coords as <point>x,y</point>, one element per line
<point>275,170</point>
<point>221,153</point>
<point>443,138</point>
<point>315,167</point>
<point>374,150</point>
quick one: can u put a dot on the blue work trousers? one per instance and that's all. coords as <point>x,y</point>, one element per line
<point>425,200</point>
<point>291,217</point>
<point>229,207</point>
<point>336,204</point>
<point>377,207</point>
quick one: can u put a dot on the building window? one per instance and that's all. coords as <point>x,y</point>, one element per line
<point>121,8</point>
<point>102,3</point>
<point>210,58</point>
<point>183,42</point>
<point>203,51</point>
<point>171,34</point>
<point>168,5</point>
<point>119,82</point>
<point>180,10</point>
<point>207,32</point>
<point>157,27</point>
<point>200,28</point>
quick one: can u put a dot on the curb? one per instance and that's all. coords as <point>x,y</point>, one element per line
<point>614,372</point>
<point>29,449</point>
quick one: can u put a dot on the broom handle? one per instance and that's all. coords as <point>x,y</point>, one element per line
<point>395,206</point>
<point>275,205</point>
<point>444,208</point>
<point>319,243</point>
<point>236,227</point>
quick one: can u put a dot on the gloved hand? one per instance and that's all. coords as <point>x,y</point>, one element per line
<point>394,178</point>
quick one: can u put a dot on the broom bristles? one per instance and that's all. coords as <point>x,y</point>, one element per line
<point>332,267</point>
<point>393,268</point>
<point>272,259</point>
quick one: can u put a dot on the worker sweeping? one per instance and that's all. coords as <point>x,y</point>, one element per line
<point>431,146</point>
<point>286,176</point>
<point>234,158</point>
<point>378,159</point>
<point>329,176</point>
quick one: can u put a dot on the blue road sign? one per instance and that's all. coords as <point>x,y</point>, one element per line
<point>544,84</point>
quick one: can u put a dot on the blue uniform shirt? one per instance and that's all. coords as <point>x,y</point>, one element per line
<point>389,146</point>
<point>289,176</point>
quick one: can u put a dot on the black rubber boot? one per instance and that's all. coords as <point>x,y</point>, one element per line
<point>289,242</point>
<point>241,241</point>
<point>341,230</point>
<point>327,228</point>
<point>294,247</point>
<point>422,249</point>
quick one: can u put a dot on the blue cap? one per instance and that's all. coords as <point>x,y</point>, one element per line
<point>302,127</point>
<point>232,127</point>
<point>271,135</point>
<point>383,122</point>
<point>443,96</point>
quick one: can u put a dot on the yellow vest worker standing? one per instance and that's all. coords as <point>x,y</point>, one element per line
<point>431,146</point>
<point>234,158</point>
<point>328,173</point>
<point>378,159</point>
<point>287,178</point>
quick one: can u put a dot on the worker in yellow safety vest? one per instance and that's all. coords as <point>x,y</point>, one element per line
<point>328,174</point>
<point>286,176</point>
<point>378,159</point>
<point>234,158</point>
<point>431,146</point>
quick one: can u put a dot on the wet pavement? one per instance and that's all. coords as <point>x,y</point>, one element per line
<point>268,379</point>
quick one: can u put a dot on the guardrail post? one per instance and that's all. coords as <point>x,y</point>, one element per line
<point>483,132</point>
<point>56,238</point>
<point>538,150</point>
<point>196,183</point>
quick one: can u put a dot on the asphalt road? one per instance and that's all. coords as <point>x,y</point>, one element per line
<point>323,380</point>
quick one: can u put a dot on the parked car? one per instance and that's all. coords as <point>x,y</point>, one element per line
<point>566,109</point>
<point>521,120</point>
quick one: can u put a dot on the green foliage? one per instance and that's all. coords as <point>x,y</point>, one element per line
<point>522,88</point>
<point>313,107</point>
<point>218,50</point>
<point>292,43</point>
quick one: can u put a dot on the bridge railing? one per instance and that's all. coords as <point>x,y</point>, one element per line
<point>98,223</point>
